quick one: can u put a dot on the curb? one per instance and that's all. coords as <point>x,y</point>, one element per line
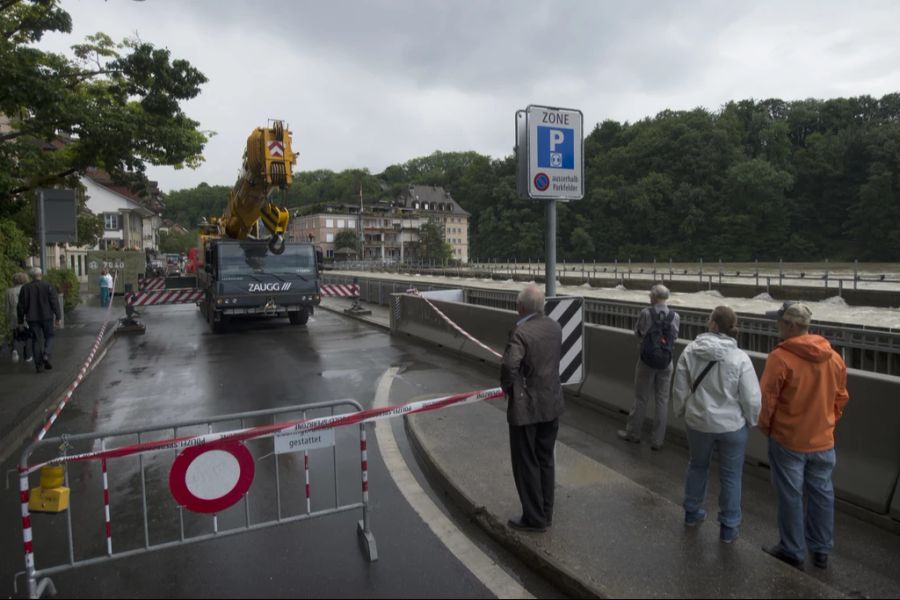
<point>28,427</point>
<point>558,574</point>
<point>369,321</point>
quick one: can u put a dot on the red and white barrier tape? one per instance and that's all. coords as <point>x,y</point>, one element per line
<point>295,426</point>
<point>450,322</point>
<point>81,373</point>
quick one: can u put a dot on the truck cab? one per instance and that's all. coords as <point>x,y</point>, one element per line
<point>243,278</point>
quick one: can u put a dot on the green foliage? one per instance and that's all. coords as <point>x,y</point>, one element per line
<point>111,106</point>
<point>432,247</point>
<point>187,207</point>
<point>90,229</point>
<point>66,283</point>
<point>767,179</point>
<point>346,238</point>
<point>13,250</point>
<point>171,242</point>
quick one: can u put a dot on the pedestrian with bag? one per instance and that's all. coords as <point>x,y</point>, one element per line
<point>657,328</point>
<point>19,336</point>
<point>39,306</point>
<point>716,392</point>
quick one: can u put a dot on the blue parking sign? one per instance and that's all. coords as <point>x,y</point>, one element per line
<point>555,147</point>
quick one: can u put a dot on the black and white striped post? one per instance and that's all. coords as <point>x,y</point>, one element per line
<point>568,311</point>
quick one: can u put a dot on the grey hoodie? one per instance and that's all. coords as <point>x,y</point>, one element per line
<point>728,397</point>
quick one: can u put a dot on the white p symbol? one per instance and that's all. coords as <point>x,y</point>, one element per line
<point>556,137</point>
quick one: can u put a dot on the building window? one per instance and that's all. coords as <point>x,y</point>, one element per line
<point>351,223</point>
<point>329,237</point>
<point>111,221</point>
<point>340,223</point>
<point>329,223</point>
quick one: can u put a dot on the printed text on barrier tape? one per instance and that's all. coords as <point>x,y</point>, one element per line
<point>295,426</point>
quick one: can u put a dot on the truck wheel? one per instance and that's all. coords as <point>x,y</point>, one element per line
<point>298,317</point>
<point>217,326</point>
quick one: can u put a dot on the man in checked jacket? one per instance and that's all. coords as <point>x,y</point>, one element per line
<point>530,378</point>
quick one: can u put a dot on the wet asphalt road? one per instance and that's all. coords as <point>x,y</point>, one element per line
<point>180,371</point>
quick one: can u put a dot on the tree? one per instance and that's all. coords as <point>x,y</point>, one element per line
<point>432,247</point>
<point>112,106</point>
<point>172,242</point>
<point>188,207</point>
<point>90,229</point>
<point>346,238</point>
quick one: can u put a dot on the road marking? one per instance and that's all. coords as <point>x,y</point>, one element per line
<point>481,565</point>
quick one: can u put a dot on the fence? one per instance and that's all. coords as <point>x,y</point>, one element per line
<point>108,528</point>
<point>868,348</point>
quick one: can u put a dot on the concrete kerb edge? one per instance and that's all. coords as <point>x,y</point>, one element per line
<point>369,321</point>
<point>496,527</point>
<point>27,428</point>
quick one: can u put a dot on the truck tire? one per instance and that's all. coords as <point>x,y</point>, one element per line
<point>298,317</point>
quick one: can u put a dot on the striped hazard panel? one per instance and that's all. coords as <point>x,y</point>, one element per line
<point>165,297</point>
<point>151,283</point>
<point>569,313</point>
<point>347,291</point>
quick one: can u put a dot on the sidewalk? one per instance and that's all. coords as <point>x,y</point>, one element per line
<point>618,526</point>
<point>28,397</point>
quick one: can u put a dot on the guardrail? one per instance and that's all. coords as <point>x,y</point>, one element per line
<point>874,349</point>
<point>868,467</point>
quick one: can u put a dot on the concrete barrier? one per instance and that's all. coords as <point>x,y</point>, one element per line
<point>867,440</point>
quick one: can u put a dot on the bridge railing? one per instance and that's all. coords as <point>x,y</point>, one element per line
<point>867,348</point>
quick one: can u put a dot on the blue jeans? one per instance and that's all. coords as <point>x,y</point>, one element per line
<point>104,296</point>
<point>731,446</point>
<point>799,474</point>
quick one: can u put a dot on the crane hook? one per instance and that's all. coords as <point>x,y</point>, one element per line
<point>276,244</point>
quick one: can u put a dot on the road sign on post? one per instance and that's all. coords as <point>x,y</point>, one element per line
<point>550,166</point>
<point>555,150</point>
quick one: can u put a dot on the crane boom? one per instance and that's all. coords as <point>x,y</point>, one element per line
<point>268,165</point>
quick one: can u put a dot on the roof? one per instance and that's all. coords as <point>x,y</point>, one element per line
<point>431,198</point>
<point>151,201</point>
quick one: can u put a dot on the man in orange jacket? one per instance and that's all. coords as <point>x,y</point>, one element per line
<point>804,391</point>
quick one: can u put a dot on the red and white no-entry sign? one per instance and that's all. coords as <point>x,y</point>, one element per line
<point>211,477</point>
<point>276,148</point>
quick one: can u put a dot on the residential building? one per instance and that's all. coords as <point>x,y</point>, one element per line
<point>131,221</point>
<point>389,232</point>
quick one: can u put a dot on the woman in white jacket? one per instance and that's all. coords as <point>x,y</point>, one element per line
<point>716,391</point>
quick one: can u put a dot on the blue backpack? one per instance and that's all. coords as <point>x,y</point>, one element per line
<point>659,342</point>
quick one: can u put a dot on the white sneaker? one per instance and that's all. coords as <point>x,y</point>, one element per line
<point>29,359</point>
<point>15,356</point>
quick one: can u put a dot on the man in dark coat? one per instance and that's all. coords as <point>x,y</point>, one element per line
<point>39,304</point>
<point>530,377</point>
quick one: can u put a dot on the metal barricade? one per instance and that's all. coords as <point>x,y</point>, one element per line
<point>134,462</point>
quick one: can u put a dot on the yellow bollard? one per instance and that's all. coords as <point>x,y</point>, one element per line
<point>52,496</point>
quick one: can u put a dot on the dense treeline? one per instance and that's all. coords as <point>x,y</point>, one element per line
<point>802,180</point>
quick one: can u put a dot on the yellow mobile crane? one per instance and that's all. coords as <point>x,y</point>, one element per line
<point>243,273</point>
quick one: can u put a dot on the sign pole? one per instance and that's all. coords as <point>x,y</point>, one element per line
<point>550,267</point>
<point>42,231</point>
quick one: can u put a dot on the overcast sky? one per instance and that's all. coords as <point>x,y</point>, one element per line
<point>370,84</point>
